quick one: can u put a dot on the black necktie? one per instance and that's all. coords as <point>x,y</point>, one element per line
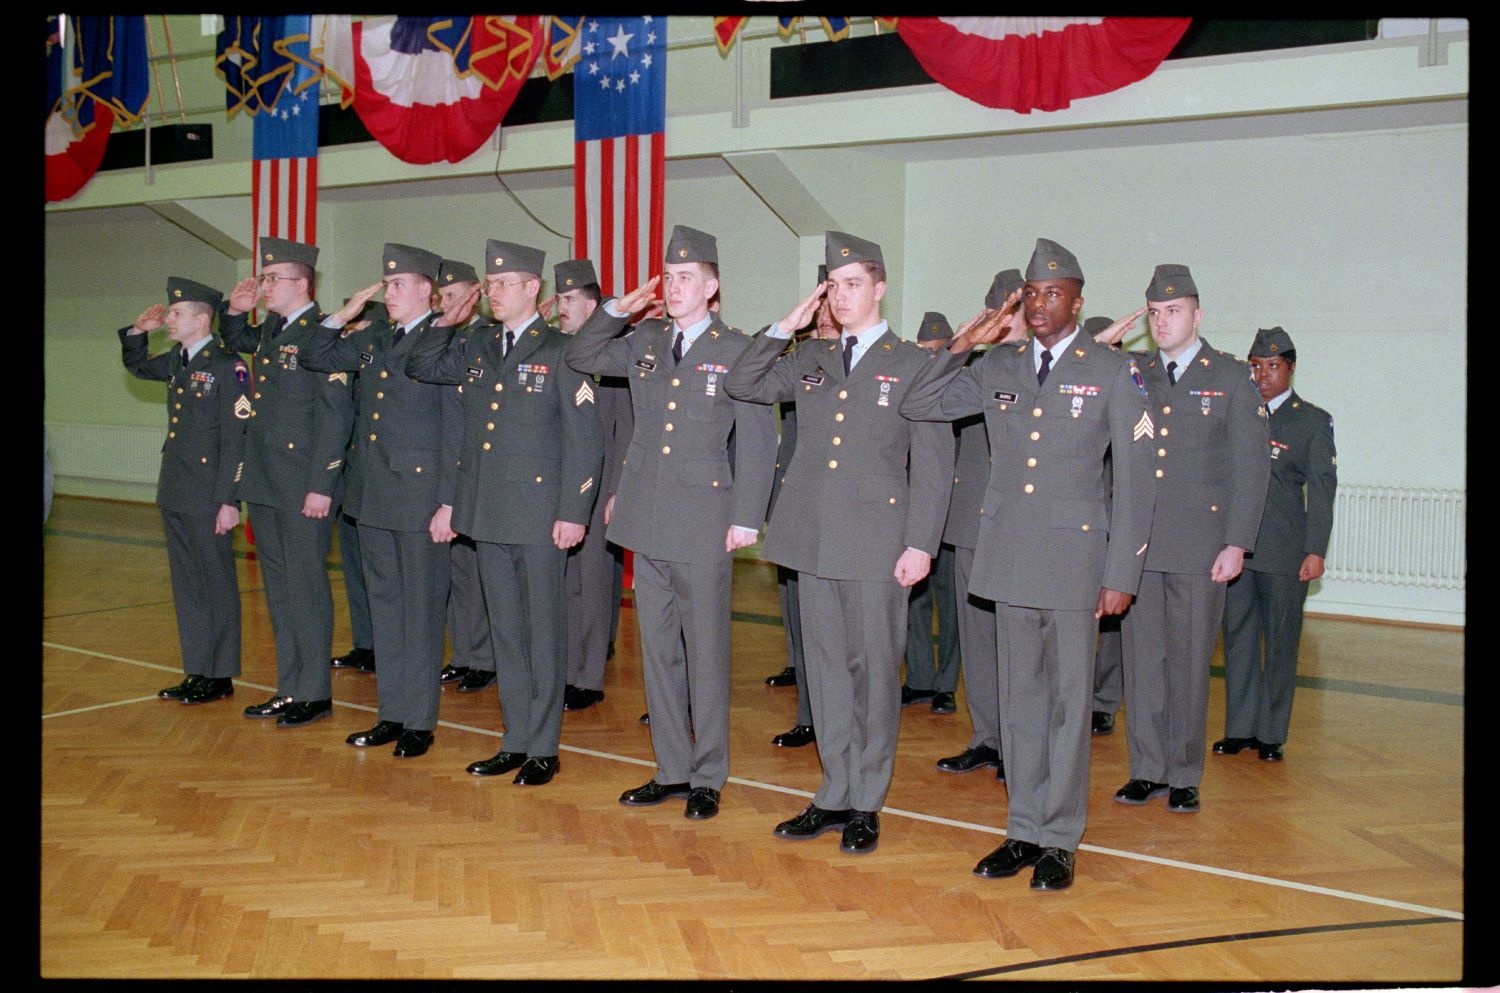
<point>849,353</point>
<point>1046,366</point>
<point>677,348</point>
<point>1172,373</point>
<point>400,333</point>
<point>510,341</point>
<point>278,326</point>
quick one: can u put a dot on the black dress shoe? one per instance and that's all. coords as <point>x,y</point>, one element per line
<point>1138,791</point>
<point>1183,800</point>
<point>537,771</point>
<point>1000,771</point>
<point>1233,746</point>
<point>653,793</point>
<point>646,717</point>
<point>862,833</point>
<point>362,659</point>
<point>383,733</point>
<point>579,698</point>
<point>271,708</point>
<point>475,680</point>
<point>702,803</point>
<point>811,822</point>
<point>943,703</point>
<point>1104,723</point>
<point>1009,859</point>
<point>1270,752</point>
<point>453,673</point>
<point>208,689</point>
<point>304,712</point>
<point>180,690</point>
<point>910,696</point>
<point>1054,870</point>
<point>494,766</point>
<point>412,743</point>
<point>970,759</point>
<point>799,735</point>
<point>786,677</point>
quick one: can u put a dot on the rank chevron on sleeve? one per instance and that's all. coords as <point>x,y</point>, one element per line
<point>1143,427</point>
<point>584,395</point>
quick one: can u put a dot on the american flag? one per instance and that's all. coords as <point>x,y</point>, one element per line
<point>619,165</point>
<point>284,177</point>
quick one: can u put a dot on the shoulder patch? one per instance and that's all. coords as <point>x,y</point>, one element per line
<point>241,371</point>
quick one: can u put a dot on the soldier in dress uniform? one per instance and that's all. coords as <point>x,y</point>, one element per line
<point>1055,553</point>
<point>401,486</point>
<point>1211,476</point>
<point>859,516</point>
<point>294,461</point>
<point>1109,677</point>
<point>683,507</point>
<point>201,463</point>
<point>528,475</point>
<point>361,655</point>
<point>1263,609</point>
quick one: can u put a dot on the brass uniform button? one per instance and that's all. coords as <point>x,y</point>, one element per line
<point>489,426</point>
<point>837,440</point>
<point>839,416</point>
<point>668,426</point>
<point>290,445</point>
<point>671,404</point>
<point>203,459</point>
<point>417,469</point>
<point>1161,452</point>
<point>676,381</point>
<point>494,405</point>
<point>539,479</point>
<point>174,420</point>
<point>1030,464</point>
<point>1035,435</point>
<point>499,387</point>
<point>1159,474</point>
<point>486,446</point>
<point>384,374</point>
<point>1085,527</point>
<point>375,415</point>
<point>1028,488</point>
<point>666,449</point>
<point>1036,412</point>
<point>1164,432</point>
<point>380,396</point>
<point>843,394</point>
<point>1166,410</point>
<point>833,463</point>
<point>171,434</point>
<point>372,437</point>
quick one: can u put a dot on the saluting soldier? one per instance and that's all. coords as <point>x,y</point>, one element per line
<point>1055,553</point>
<point>401,491</point>
<point>294,460</point>
<point>1263,608</point>
<point>1211,477</point>
<point>201,462</point>
<point>859,516</point>
<point>684,507</point>
<point>361,655</point>
<point>527,480</point>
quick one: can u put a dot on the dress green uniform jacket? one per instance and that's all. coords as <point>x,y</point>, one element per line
<point>865,483</point>
<point>971,476</point>
<point>407,436</point>
<point>678,493</point>
<point>207,409</point>
<point>1049,536</point>
<point>1302,455</point>
<point>532,444</point>
<point>300,419</point>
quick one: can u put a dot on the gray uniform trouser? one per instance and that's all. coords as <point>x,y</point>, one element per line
<point>976,637</point>
<point>206,594</point>
<point>352,563</point>
<point>468,621</point>
<point>1045,721</point>
<point>791,616</point>
<point>854,633</point>
<point>293,552</point>
<point>407,575</point>
<point>1169,635</point>
<point>936,593</point>
<point>590,582</point>
<point>683,609</point>
<point>527,606</point>
<point>1261,608</point>
<point>1109,667</point>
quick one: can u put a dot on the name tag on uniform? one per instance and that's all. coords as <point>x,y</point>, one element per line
<point>367,356</point>
<point>647,364</point>
<point>476,372</point>
<point>1005,397</point>
<point>812,379</point>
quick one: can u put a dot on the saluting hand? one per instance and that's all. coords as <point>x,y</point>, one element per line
<point>151,318</point>
<point>804,311</point>
<point>458,313</point>
<point>242,298</point>
<point>545,307</point>
<point>640,298</point>
<point>350,310</point>
<point>1116,332</point>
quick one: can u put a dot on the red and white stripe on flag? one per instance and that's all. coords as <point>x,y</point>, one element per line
<point>284,199</point>
<point>619,186</point>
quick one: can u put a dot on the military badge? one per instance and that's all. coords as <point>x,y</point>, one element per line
<point>475,372</point>
<point>1137,378</point>
<point>1005,397</point>
<point>813,379</point>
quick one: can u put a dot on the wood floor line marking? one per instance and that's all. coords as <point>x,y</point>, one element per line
<point>1439,912</point>
<point>100,706</point>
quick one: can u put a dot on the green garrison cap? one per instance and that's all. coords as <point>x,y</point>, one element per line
<point>1006,282</point>
<point>1171,282</point>
<point>452,271</point>
<point>691,245</point>
<point>1094,325</point>
<point>572,274</point>
<point>1269,342</point>
<point>840,249</point>
<point>274,250</point>
<point>404,258</point>
<point>935,327</point>
<point>1049,260</point>
<point>179,289</point>
<point>507,256</point>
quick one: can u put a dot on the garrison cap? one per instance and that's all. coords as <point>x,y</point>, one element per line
<point>1049,260</point>
<point>274,250</point>
<point>404,258</point>
<point>452,271</point>
<point>372,311</point>
<point>1170,282</point>
<point>840,249</point>
<point>179,289</point>
<point>1094,325</point>
<point>507,256</point>
<point>1269,342</point>
<point>572,274</point>
<point>1006,282</point>
<point>935,327</point>
<point>691,245</point>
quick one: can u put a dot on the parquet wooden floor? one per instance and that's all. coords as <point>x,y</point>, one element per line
<point>189,842</point>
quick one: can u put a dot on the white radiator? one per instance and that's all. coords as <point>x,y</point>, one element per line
<point>105,452</point>
<point>1398,537</point>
